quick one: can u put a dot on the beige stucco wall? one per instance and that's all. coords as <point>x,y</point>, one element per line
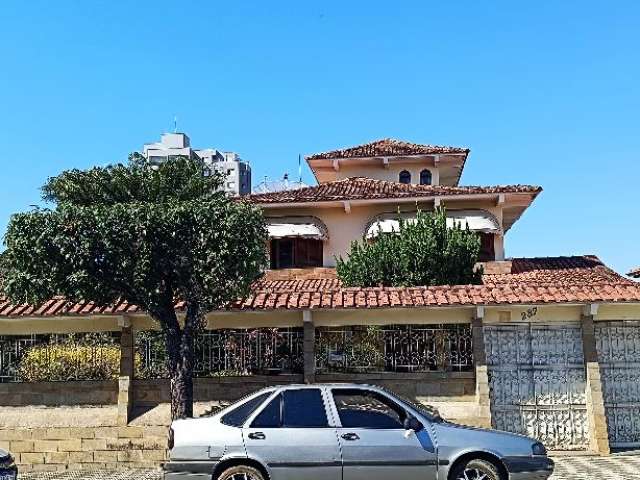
<point>445,169</point>
<point>390,174</point>
<point>550,314</point>
<point>345,227</point>
<point>391,316</point>
<point>19,326</point>
<point>613,311</point>
<point>533,314</point>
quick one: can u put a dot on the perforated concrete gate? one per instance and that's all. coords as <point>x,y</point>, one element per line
<point>537,381</point>
<point>618,346</point>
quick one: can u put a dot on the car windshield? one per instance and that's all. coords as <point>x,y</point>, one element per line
<point>428,411</point>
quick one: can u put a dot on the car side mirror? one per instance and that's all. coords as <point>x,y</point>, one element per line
<point>412,423</point>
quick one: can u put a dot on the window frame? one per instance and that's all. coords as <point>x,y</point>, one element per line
<point>430,173</point>
<point>296,251</point>
<point>326,402</point>
<point>407,173</point>
<point>375,393</point>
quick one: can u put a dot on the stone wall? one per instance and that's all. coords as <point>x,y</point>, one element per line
<point>153,392</point>
<point>59,393</point>
<point>56,448</point>
<point>415,386</point>
<point>81,448</point>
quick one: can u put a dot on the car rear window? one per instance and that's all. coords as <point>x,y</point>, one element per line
<point>239,415</point>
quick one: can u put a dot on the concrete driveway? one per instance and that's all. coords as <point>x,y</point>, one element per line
<point>617,467</point>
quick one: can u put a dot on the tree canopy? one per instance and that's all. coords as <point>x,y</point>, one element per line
<point>148,234</point>
<point>423,252</point>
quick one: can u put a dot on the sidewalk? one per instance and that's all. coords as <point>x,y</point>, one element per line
<point>618,467</point>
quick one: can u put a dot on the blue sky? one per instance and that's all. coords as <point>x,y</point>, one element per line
<point>542,92</point>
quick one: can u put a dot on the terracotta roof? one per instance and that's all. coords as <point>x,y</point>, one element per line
<point>581,270</point>
<point>551,280</point>
<point>582,279</point>
<point>387,147</point>
<point>358,188</point>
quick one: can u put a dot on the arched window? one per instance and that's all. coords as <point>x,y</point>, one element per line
<point>425,177</point>
<point>404,177</point>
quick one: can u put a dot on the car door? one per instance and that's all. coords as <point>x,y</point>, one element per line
<point>293,436</point>
<point>374,442</point>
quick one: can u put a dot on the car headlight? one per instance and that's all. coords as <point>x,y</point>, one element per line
<point>7,462</point>
<point>538,449</point>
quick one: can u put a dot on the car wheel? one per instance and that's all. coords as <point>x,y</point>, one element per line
<point>241,472</point>
<point>476,470</point>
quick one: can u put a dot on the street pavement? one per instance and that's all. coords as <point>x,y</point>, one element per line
<point>616,467</point>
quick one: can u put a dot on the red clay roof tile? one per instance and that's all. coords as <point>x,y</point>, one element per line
<point>531,281</point>
<point>387,147</point>
<point>361,188</point>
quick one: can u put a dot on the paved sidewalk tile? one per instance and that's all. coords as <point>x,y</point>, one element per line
<point>94,475</point>
<point>567,468</point>
<point>587,468</point>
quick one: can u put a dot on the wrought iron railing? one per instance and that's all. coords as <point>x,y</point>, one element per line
<point>59,357</point>
<point>394,348</point>
<point>234,352</point>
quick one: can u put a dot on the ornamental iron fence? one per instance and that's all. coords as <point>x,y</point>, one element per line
<point>59,357</point>
<point>394,348</point>
<point>237,352</point>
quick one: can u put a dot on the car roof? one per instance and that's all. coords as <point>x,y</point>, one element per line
<point>323,385</point>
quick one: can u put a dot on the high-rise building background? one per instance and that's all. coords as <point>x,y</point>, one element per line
<point>236,171</point>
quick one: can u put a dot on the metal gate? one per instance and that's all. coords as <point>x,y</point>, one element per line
<point>618,346</point>
<point>538,382</point>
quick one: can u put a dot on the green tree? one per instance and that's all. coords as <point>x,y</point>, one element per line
<point>424,251</point>
<point>152,235</point>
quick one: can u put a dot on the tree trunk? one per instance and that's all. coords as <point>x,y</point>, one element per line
<point>180,352</point>
<point>182,387</point>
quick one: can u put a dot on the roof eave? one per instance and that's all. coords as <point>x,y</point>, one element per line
<point>414,199</point>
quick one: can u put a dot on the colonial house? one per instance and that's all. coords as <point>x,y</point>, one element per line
<point>548,346</point>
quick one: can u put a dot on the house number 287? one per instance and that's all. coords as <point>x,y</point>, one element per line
<point>529,313</point>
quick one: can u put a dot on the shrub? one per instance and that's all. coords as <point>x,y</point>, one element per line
<point>424,251</point>
<point>84,358</point>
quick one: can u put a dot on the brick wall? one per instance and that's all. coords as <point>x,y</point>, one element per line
<point>79,448</point>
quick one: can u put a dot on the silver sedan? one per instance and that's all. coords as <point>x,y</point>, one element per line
<point>344,432</point>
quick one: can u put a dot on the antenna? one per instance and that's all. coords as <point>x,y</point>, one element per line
<point>175,124</point>
<point>300,168</point>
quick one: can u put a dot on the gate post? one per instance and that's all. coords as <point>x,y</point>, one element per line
<point>309,347</point>
<point>480,363</point>
<point>596,416</point>
<point>125,380</point>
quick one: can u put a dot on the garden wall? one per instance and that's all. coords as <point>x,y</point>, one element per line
<point>59,393</point>
<point>85,448</point>
<point>154,391</point>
